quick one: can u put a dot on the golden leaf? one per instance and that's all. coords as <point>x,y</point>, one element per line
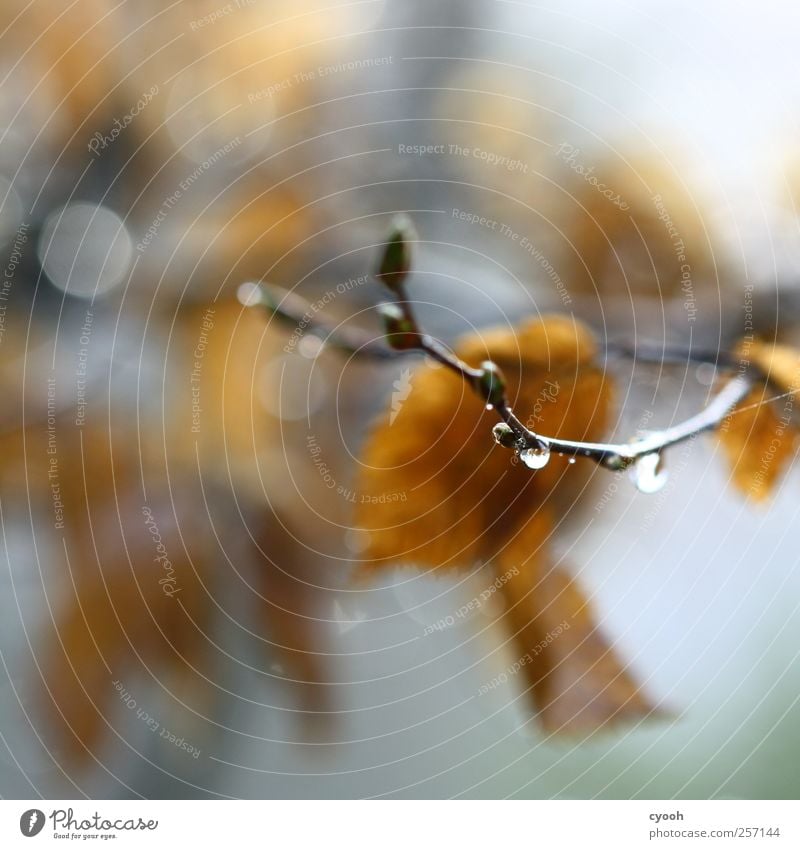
<point>760,437</point>
<point>135,595</point>
<point>575,679</point>
<point>116,617</point>
<point>436,491</point>
<point>780,363</point>
<point>634,228</point>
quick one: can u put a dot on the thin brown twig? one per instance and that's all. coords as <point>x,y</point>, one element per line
<point>404,335</point>
<point>304,317</point>
<point>292,308</point>
<point>613,456</point>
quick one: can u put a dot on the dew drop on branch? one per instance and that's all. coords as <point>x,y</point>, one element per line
<point>648,473</point>
<point>535,458</point>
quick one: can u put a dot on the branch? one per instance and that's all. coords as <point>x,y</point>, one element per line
<point>304,317</point>
<point>405,336</point>
<point>652,353</point>
<point>534,449</point>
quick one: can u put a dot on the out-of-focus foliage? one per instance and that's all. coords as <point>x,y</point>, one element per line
<point>438,492</point>
<point>760,437</point>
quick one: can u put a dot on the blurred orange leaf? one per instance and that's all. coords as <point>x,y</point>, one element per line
<point>435,490</point>
<point>760,438</point>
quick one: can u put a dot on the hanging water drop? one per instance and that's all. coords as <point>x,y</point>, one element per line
<point>571,461</point>
<point>648,473</point>
<point>535,458</point>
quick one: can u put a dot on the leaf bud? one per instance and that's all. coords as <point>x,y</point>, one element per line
<point>396,260</point>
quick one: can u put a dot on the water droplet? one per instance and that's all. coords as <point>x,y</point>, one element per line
<point>571,461</point>
<point>535,458</point>
<point>648,473</point>
<point>490,406</point>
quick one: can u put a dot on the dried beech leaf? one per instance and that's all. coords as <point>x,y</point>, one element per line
<point>634,228</point>
<point>434,489</point>
<point>758,443</point>
<point>112,618</point>
<point>781,363</point>
<point>760,437</point>
<point>125,612</point>
<point>575,679</point>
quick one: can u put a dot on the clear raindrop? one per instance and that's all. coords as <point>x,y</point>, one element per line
<point>535,458</point>
<point>648,473</point>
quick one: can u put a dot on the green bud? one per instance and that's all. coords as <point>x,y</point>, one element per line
<point>400,332</point>
<point>504,435</point>
<point>491,383</point>
<point>396,260</point>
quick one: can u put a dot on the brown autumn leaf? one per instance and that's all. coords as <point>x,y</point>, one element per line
<point>780,363</point>
<point>760,437</point>
<point>114,617</point>
<point>573,675</point>
<point>634,228</point>
<point>435,490</point>
<point>135,591</point>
